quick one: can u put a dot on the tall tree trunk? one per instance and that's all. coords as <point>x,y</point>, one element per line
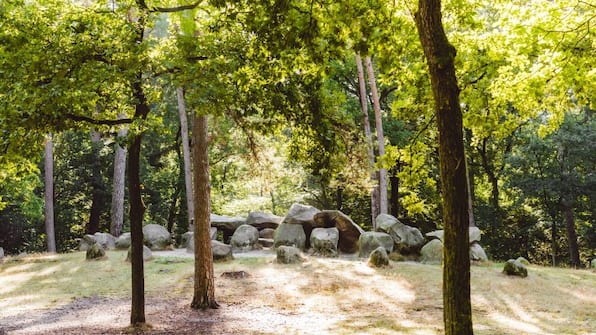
<point>49,194</point>
<point>204,286</point>
<point>469,182</point>
<point>186,155</point>
<point>492,178</point>
<point>383,207</point>
<point>96,185</point>
<point>457,309</point>
<point>118,184</point>
<point>374,199</point>
<point>571,235</point>
<point>394,182</point>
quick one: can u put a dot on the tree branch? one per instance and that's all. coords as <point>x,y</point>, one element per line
<point>80,118</point>
<point>174,9</point>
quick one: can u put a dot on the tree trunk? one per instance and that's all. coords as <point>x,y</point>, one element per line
<point>469,182</point>
<point>96,185</point>
<point>204,286</point>
<point>186,155</point>
<point>383,208</point>
<point>492,178</point>
<point>394,182</point>
<point>571,236</point>
<point>457,309</point>
<point>49,194</point>
<point>118,184</point>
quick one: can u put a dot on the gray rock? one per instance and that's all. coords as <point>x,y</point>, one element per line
<point>261,220</point>
<point>157,237</point>
<point>349,232</point>
<point>473,231</point>
<point>94,252</point>
<point>514,268</point>
<point>226,224</point>
<point>86,242</point>
<point>221,252</point>
<point>123,241</point>
<point>324,241</point>
<point>147,254</point>
<point>408,240</point>
<point>593,263</point>
<point>378,258</point>
<point>290,235</point>
<point>266,242</point>
<point>188,239</point>
<point>477,253</point>
<point>245,238</point>
<point>302,215</point>
<point>267,233</point>
<point>1,254</point>
<point>432,252</point>
<point>107,241</point>
<point>289,255</point>
<point>371,240</point>
<point>523,261</point>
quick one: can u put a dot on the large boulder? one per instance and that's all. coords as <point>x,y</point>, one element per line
<point>371,240</point>
<point>407,239</point>
<point>188,239</point>
<point>523,261</point>
<point>107,241</point>
<point>221,252</point>
<point>261,220</point>
<point>324,241</point>
<point>304,216</point>
<point>1,254</point>
<point>95,252</point>
<point>147,254</point>
<point>290,235</point>
<point>267,233</point>
<point>123,241</point>
<point>157,237</point>
<point>226,224</point>
<point>378,258</point>
<point>513,267</point>
<point>432,252</point>
<point>349,232</point>
<point>86,242</point>
<point>245,238</point>
<point>477,253</point>
<point>593,263</point>
<point>474,233</point>
<point>289,255</point>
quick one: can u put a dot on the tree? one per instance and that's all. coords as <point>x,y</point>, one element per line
<point>117,213</point>
<point>440,54</point>
<point>49,194</point>
<point>186,155</point>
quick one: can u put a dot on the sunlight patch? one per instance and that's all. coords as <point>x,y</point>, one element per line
<point>517,324</point>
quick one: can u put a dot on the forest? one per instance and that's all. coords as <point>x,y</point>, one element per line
<point>325,103</point>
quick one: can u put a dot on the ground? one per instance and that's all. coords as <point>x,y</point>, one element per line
<point>321,296</point>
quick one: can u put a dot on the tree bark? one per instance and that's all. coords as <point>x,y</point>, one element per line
<point>49,194</point>
<point>383,207</point>
<point>374,201</point>
<point>117,216</point>
<point>394,182</point>
<point>96,185</point>
<point>204,286</point>
<point>457,310</point>
<point>571,236</point>
<point>469,182</point>
<point>186,156</point>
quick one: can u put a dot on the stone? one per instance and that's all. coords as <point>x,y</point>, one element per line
<point>188,239</point>
<point>95,252</point>
<point>477,253</point>
<point>245,238</point>
<point>1,254</point>
<point>378,258</point>
<point>514,268</point>
<point>302,215</point>
<point>86,242</point>
<point>261,220</point>
<point>324,241</point>
<point>349,232</point>
<point>593,263</point>
<point>123,241</point>
<point>107,241</point>
<point>221,252</point>
<point>266,242</point>
<point>157,237</point>
<point>407,240</point>
<point>371,240</point>
<point>432,252</point>
<point>290,235</point>
<point>523,261</point>
<point>147,254</point>
<point>474,233</point>
<point>226,224</point>
<point>267,233</point>
<point>289,255</point>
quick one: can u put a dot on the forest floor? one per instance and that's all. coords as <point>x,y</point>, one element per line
<point>64,294</point>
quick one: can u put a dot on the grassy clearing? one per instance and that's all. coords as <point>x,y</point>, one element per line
<point>331,296</point>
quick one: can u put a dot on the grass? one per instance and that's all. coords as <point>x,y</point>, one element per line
<point>339,296</point>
